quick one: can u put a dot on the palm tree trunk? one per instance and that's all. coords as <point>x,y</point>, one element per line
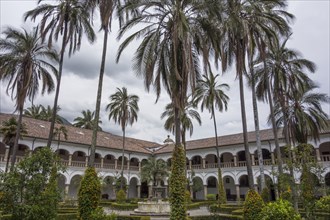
<point>245,137</point>
<point>185,151</point>
<point>57,92</point>
<point>277,146</point>
<point>122,162</point>
<point>98,98</point>
<point>177,126</point>
<point>257,130</point>
<point>8,157</point>
<point>18,131</point>
<point>221,189</point>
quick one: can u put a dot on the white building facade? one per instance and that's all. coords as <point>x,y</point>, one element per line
<point>201,160</point>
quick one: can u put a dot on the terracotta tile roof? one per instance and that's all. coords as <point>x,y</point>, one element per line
<point>39,129</point>
<point>227,140</point>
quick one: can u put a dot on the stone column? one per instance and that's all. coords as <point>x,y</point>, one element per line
<point>140,166</point>
<point>238,193</point>
<point>86,161</point>
<point>272,157</point>
<point>116,164</point>
<point>235,161</point>
<point>203,163</point>
<point>128,164</point>
<point>150,191</point>
<point>66,190</point>
<point>138,191</point>
<point>318,156</point>
<point>190,164</point>
<point>191,192</point>
<point>252,160</point>
<point>70,159</point>
<point>102,162</point>
<point>166,191</point>
<point>6,154</point>
<point>205,192</point>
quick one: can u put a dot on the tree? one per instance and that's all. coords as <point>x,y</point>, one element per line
<point>25,63</point>
<point>173,36</point>
<point>8,130</point>
<point>87,121</point>
<point>211,96</point>
<point>123,108</point>
<point>245,22</point>
<point>58,132</point>
<point>35,111</point>
<point>30,190</point>
<point>187,115</point>
<point>154,171</point>
<point>69,19</point>
<point>106,9</point>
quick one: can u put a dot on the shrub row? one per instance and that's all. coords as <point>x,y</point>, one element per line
<point>217,217</point>
<point>215,208</point>
<point>133,217</point>
<point>123,206</point>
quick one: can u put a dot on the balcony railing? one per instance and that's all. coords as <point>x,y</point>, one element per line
<point>325,158</point>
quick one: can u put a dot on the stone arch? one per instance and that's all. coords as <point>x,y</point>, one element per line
<point>212,185</point>
<point>74,186</point>
<point>243,185</point>
<point>119,164</point>
<point>230,189</point>
<point>134,164</point>
<point>37,148</point>
<point>61,183</point>
<point>227,159</point>
<point>63,154</point>
<point>109,161</point>
<point>198,188</point>
<point>108,191</point>
<point>196,162</point>
<point>133,187</point>
<point>327,179</point>
<point>211,161</point>
<point>266,155</point>
<point>22,150</point>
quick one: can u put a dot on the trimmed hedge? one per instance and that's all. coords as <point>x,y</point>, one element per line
<point>67,216</point>
<point>123,206</point>
<point>133,217</point>
<point>214,208</point>
<point>217,217</point>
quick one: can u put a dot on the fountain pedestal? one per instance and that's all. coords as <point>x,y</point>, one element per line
<point>153,208</point>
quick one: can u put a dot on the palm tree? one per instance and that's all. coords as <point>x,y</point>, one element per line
<point>87,120</point>
<point>187,115</point>
<point>244,23</point>
<point>47,114</point>
<point>173,37</point>
<point>9,130</point>
<point>303,115</point>
<point>123,108</point>
<point>106,9</point>
<point>212,96</point>
<point>35,111</point>
<point>58,132</point>
<point>69,19</point>
<point>154,171</point>
<point>23,62</point>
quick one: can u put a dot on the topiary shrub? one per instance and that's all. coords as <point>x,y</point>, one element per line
<point>323,204</point>
<point>187,197</point>
<point>121,196</point>
<point>177,182</point>
<point>279,210</point>
<point>265,195</point>
<point>89,194</point>
<point>211,197</point>
<point>252,206</point>
<point>222,199</point>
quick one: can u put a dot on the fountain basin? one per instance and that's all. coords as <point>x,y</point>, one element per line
<point>153,207</point>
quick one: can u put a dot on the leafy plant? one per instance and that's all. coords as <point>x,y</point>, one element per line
<point>252,206</point>
<point>121,196</point>
<point>279,210</point>
<point>30,190</point>
<point>323,204</point>
<point>89,194</point>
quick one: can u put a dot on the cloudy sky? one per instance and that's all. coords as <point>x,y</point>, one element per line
<point>80,75</point>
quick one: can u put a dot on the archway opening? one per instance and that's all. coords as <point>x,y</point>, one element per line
<point>198,188</point>
<point>229,185</point>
